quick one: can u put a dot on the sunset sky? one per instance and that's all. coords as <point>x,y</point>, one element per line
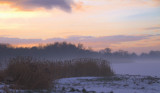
<point>132,25</point>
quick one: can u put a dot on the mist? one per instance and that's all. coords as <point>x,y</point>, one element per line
<point>121,61</point>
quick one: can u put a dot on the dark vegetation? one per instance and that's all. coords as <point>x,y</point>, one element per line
<point>30,73</point>
<point>63,51</point>
<point>54,51</point>
<point>125,54</point>
<point>35,72</point>
<point>67,51</point>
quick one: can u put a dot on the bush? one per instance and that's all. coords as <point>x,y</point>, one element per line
<point>29,73</point>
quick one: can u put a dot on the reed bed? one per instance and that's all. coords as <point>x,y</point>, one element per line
<point>30,73</point>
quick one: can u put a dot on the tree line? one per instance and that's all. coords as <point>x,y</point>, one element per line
<point>64,50</point>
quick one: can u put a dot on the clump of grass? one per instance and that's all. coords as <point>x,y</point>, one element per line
<point>29,73</point>
<point>2,75</point>
<point>89,67</point>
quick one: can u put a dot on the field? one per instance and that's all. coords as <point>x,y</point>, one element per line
<point>112,84</point>
<point>29,75</point>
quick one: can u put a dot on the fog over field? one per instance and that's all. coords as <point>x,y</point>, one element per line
<point>79,46</point>
<point>67,68</point>
<point>138,67</point>
<point>122,62</point>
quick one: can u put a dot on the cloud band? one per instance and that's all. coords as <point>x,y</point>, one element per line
<point>47,4</point>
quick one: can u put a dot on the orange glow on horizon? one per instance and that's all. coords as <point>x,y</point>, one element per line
<point>95,18</point>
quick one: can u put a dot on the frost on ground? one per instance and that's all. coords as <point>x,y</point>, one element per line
<point>114,84</point>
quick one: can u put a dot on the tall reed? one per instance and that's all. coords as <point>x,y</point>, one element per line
<point>30,73</point>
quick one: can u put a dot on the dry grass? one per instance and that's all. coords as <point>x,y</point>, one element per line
<point>29,73</point>
<point>2,75</point>
<point>83,67</point>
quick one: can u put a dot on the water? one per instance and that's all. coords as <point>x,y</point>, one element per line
<point>138,68</point>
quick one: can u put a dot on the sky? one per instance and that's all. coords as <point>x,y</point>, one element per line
<point>132,25</point>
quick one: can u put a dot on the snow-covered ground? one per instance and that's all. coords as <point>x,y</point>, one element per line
<point>114,84</point>
<point>133,77</point>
